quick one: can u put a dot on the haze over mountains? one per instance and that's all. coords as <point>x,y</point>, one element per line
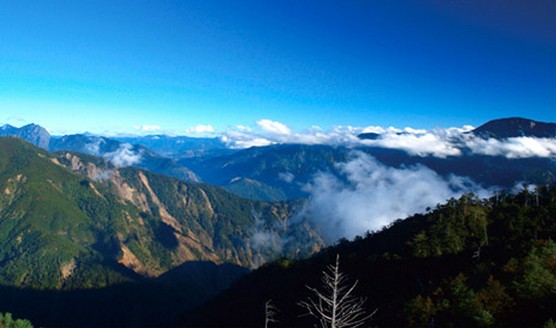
<point>500,153</point>
<point>468,262</point>
<point>344,172</point>
<point>85,211</point>
<point>71,221</point>
<point>149,223</point>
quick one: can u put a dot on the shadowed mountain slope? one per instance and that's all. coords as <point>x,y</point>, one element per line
<point>467,263</point>
<point>515,127</point>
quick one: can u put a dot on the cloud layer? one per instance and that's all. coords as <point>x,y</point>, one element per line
<point>364,195</point>
<point>200,129</point>
<point>148,128</point>
<point>123,156</point>
<point>520,147</point>
<point>440,143</point>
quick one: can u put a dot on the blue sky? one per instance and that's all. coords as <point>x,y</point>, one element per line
<point>113,66</point>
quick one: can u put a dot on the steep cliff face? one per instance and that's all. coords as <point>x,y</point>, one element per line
<point>71,220</point>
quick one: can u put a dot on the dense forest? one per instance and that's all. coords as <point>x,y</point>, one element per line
<point>468,262</point>
<point>83,243</point>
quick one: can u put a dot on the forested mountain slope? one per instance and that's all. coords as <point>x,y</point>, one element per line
<point>74,227</point>
<point>468,262</point>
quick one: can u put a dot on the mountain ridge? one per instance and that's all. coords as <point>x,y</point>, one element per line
<point>32,133</point>
<point>146,222</point>
<point>514,127</point>
<point>283,171</point>
<point>468,262</point>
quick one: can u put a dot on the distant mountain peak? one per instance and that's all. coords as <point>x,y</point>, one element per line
<point>515,127</point>
<point>32,133</point>
<point>368,136</point>
<point>6,127</point>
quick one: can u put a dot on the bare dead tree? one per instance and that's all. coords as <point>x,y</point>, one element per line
<point>336,306</point>
<point>270,312</point>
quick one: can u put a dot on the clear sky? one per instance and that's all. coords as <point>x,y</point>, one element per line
<point>75,66</point>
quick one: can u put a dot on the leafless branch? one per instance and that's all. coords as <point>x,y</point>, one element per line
<point>335,306</point>
<point>270,312</point>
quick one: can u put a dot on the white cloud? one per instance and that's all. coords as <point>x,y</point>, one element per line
<point>274,127</point>
<point>147,128</point>
<point>201,128</point>
<point>373,129</point>
<point>274,132</point>
<point>364,195</point>
<point>520,147</point>
<point>93,148</point>
<point>124,156</point>
<point>102,175</point>
<point>266,238</point>
<point>440,143</point>
<point>287,177</point>
<point>417,142</point>
<point>240,139</point>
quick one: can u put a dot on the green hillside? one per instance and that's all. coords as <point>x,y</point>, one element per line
<point>69,221</point>
<point>467,263</point>
<point>49,233</point>
<point>107,246</point>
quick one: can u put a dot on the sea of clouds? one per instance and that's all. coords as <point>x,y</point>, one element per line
<point>363,194</point>
<point>439,142</point>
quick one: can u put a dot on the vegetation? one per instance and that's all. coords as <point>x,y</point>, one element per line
<point>61,226</point>
<point>79,234</point>
<point>274,172</point>
<point>7,321</point>
<point>469,262</point>
<point>91,246</point>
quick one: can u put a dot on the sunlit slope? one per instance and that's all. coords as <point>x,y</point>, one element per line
<point>72,220</point>
<point>48,232</point>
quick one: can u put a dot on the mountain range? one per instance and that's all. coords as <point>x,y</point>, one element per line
<point>149,223</point>
<point>469,262</point>
<point>175,220</point>
<point>283,171</point>
<point>71,221</point>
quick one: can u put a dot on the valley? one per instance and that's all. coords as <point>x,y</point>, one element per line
<point>335,164</point>
<point>86,221</point>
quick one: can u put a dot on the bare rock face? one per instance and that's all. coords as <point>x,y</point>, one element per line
<point>35,134</point>
<point>74,220</point>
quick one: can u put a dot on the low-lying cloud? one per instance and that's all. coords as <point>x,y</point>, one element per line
<point>148,128</point>
<point>269,132</point>
<point>439,143</point>
<point>365,195</point>
<point>200,129</point>
<point>103,175</point>
<point>519,147</point>
<point>274,127</point>
<point>287,177</point>
<point>94,147</point>
<point>124,156</point>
